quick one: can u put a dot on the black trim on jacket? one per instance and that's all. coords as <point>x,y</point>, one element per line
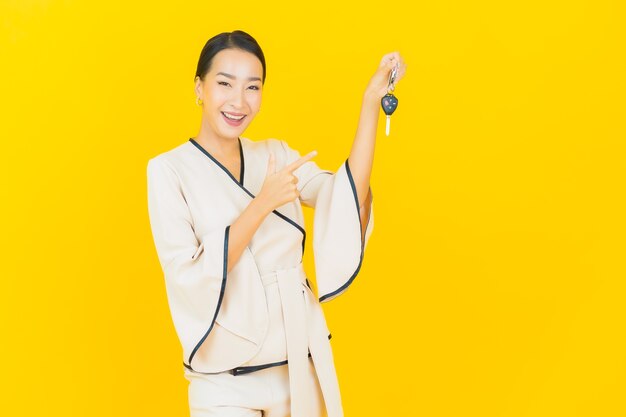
<point>240,370</point>
<point>219,301</point>
<point>358,212</point>
<point>240,184</point>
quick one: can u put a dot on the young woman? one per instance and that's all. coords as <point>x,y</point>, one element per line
<point>227,222</point>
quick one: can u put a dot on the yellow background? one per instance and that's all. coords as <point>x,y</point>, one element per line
<point>493,284</point>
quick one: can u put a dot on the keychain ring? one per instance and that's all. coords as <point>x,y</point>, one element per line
<point>392,79</point>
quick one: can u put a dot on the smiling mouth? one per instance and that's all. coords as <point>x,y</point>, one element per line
<point>233,117</point>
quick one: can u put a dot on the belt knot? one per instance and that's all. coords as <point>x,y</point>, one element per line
<point>297,272</point>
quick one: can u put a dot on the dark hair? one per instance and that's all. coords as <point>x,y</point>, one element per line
<point>235,39</point>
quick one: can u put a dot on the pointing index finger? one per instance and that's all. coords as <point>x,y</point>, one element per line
<point>296,164</point>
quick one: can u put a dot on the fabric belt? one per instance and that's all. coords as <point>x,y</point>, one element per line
<point>305,332</point>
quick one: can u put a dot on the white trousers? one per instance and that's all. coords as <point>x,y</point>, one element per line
<point>260,393</point>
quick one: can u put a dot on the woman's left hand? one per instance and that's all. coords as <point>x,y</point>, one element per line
<point>379,82</point>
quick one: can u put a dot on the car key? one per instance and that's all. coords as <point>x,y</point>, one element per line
<point>389,102</point>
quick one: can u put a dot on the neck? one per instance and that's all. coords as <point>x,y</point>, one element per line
<point>217,145</point>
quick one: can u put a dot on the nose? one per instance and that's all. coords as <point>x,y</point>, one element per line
<point>237,99</point>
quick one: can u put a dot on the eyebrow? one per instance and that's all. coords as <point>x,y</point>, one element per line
<point>232,77</point>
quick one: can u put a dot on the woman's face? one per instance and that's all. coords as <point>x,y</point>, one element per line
<point>232,88</point>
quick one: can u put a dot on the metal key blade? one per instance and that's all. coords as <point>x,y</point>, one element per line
<point>387,125</point>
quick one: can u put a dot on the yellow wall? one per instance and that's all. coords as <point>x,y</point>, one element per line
<point>493,284</point>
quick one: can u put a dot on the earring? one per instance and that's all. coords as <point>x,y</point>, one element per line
<point>198,101</point>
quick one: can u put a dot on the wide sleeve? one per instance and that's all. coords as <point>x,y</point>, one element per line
<point>194,268</point>
<point>341,227</point>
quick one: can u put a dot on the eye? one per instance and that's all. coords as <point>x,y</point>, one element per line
<point>254,87</point>
<point>222,83</point>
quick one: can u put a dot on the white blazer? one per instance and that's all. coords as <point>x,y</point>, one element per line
<point>221,318</point>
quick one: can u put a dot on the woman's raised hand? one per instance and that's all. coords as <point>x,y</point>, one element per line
<point>377,86</point>
<point>280,187</point>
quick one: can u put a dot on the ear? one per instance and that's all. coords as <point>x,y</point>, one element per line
<point>198,87</point>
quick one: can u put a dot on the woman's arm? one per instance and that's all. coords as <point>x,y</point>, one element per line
<point>242,230</point>
<point>361,156</point>
<point>278,189</point>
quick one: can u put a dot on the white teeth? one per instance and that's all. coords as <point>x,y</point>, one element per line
<point>233,117</point>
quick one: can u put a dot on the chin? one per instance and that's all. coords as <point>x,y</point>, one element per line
<point>232,133</point>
